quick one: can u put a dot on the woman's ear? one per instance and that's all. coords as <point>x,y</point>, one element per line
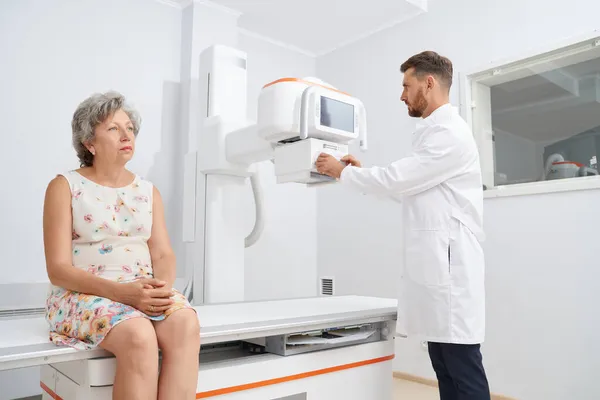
<point>90,148</point>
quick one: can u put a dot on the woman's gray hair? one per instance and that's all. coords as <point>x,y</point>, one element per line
<point>92,112</point>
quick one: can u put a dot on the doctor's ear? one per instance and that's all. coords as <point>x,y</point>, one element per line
<point>430,82</point>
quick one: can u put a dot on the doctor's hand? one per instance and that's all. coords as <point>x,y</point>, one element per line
<point>329,165</point>
<point>351,160</point>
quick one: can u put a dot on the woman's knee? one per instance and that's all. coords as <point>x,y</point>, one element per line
<point>133,338</point>
<point>187,327</point>
<point>181,327</point>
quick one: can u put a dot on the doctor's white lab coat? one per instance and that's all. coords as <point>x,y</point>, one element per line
<point>442,295</point>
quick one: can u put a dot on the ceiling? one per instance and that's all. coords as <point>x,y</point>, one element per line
<point>317,27</point>
<point>549,106</point>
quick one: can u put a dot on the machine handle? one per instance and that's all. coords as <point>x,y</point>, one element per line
<point>304,111</point>
<point>362,127</point>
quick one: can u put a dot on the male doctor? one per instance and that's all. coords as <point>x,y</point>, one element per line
<point>442,297</point>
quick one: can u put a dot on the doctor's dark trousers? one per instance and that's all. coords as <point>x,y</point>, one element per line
<point>460,372</point>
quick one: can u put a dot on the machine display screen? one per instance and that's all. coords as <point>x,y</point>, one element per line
<point>337,114</point>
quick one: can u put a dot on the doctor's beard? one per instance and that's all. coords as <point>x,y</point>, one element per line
<point>418,106</point>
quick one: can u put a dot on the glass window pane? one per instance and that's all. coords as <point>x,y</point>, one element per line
<point>547,126</point>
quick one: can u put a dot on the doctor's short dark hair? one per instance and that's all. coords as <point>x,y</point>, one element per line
<point>430,62</point>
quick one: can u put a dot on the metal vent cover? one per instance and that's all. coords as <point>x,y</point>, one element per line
<point>326,286</point>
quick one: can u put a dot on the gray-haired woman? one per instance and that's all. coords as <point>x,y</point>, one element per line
<point>110,262</point>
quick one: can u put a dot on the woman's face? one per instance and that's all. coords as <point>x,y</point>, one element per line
<point>114,141</point>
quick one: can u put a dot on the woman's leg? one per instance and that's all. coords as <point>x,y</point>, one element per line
<point>134,344</point>
<point>179,341</point>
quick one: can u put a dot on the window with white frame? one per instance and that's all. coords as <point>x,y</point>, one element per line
<point>537,120</point>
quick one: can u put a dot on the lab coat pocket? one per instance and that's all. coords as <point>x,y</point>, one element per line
<point>427,257</point>
<point>467,260</point>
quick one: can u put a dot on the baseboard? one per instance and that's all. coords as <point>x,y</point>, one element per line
<point>416,379</point>
<point>433,383</point>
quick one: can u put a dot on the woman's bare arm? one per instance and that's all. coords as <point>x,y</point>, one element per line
<point>161,252</point>
<point>58,229</point>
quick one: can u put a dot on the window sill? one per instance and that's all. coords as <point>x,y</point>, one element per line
<point>544,187</point>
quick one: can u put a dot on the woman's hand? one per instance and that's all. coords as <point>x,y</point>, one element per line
<point>146,295</point>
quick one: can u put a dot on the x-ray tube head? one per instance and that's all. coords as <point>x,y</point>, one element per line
<point>292,109</point>
<point>298,119</point>
<point>302,118</point>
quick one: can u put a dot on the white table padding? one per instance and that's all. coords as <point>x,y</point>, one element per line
<point>31,331</point>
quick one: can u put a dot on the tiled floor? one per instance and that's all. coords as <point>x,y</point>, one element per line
<point>406,390</point>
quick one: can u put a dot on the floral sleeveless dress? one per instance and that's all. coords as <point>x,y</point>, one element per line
<point>111,227</point>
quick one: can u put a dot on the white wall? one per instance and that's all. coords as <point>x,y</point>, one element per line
<point>541,264</point>
<point>54,54</point>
